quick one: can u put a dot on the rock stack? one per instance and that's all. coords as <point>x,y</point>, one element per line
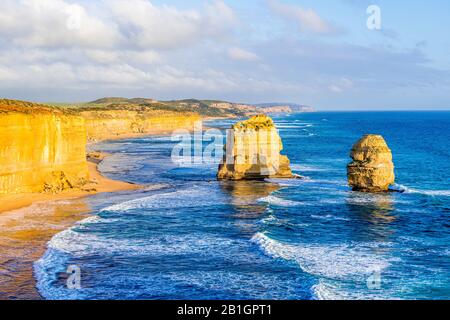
<point>252,152</point>
<point>372,169</point>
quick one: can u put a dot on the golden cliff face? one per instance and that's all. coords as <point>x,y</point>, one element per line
<point>372,169</point>
<point>253,152</point>
<point>41,150</point>
<point>115,124</point>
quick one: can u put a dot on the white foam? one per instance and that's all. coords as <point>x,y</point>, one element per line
<point>154,187</point>
<point>46,270</point>
<point>76,243</point>
<point>405,189</point>
<point>339,262</point>
<point>373,199</point>
<point>279,201</point>
<point>175,199</point>
<point>306,168</point>
<point>329,217</point>
<point>272,220</point>
<point>443,193</point>
<point>288,127</point>
<point>288,182</point>
<point>325,291</point>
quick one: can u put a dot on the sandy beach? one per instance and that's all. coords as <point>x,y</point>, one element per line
<point>28,222</point>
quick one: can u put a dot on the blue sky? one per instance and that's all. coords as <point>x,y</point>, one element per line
<point>318,53</point>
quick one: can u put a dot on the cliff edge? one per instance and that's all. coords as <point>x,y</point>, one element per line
<point>253,151</point>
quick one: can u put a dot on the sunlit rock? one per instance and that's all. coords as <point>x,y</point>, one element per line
<point>372,169</point>
<point>253,152</point>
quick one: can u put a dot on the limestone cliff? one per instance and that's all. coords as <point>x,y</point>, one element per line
<point>42,149</point>
<point>277,109</point>
<point>119,123</point>
<point>253,152</point>
<point>372,169</point>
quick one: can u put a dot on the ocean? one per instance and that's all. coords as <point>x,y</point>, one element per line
<point>188,236</point>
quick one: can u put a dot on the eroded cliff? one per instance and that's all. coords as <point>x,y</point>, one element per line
<point>120,123</point>
<point>253,152</point>
<point>42,149</point>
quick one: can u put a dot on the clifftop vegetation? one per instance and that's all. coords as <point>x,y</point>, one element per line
<point>16,106</point>
<point>206,108</point>
<point>211,108</point>
<point>256,123</point>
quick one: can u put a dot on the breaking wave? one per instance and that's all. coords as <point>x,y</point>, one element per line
<point>433,193</point>
<point>337,264</point>
<point>276,201</point>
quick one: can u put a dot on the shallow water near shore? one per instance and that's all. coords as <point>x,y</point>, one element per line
<point>188,236</point>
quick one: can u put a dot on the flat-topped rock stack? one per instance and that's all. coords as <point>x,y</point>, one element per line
<point>252,152</point>
<point>372,169</point>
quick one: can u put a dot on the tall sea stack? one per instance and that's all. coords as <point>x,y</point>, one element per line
<point>372,169</point>
<point>252,152</point>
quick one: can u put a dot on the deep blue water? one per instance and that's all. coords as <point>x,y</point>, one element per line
<point>188,236</point>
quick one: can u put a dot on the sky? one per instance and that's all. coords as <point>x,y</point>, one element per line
<point>320,53</point>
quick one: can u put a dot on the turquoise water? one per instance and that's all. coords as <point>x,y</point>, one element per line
<point>187,236</point>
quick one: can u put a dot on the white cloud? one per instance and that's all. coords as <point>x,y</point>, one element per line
<point>156,27</point>
<point>112,24</point>
<point>123,56</point>
<point>236,53</point>
<point>219,18</point>
<point>116,43</point>
<point>102,56</point>
<point>79,49</point>
<point>307,19</point>
<point>143,57</point>
<point>53,23</point>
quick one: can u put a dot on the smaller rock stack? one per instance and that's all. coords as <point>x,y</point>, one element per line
<point>372,169</point>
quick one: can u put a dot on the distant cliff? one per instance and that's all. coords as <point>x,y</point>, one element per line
<point>42,149</point>
<point>122,122</point>
<point>204,108</point>
<point>280,107</point>
<point>115,117</point>
<point>276,109</point>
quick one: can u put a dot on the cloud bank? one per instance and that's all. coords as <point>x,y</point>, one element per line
<point>80,50</point>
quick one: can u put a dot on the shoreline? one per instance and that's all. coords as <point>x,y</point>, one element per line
<point>29,221</point>
<point>102,184</point>
<point>98,184</point>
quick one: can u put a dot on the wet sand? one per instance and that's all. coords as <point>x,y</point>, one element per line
<point>29,221</point>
